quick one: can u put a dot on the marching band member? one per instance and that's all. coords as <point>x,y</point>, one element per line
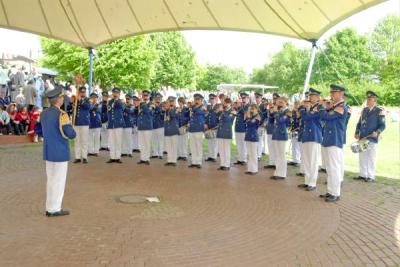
<point>224,133</point>
<point>211,124</point>
<point>135,140</point>
<point>311,138</point>
<point>115,125</point>
<point>294,135</point>
<point>94,126</point>
<point>82,118</point>
<point>327,103</point>
<point>332,142</point>
<point>370,125</point>
<point>157,135</point>
<point>252,120</point>
<point>128,115</point>
<point>270,129</point>
<point>196,130</point>
<point>171,131</point>
<point>183,119</point>
<point>104,131</point>
<point>57,130</point>
<point>280,136</point>
<point>240,129</point>
<point>145,126</point>
<point>261,128</point>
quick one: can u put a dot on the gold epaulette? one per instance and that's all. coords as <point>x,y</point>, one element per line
<point>63,120</point>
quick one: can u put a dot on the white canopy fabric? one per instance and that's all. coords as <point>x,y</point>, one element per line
<point>89,23</point>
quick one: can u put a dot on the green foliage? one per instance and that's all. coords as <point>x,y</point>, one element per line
<point>176,65</point>
<point>286,70</point>
<point>162,59</point>
<point>212,75</point>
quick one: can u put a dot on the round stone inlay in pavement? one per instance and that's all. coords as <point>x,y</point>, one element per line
<point>137,199</point>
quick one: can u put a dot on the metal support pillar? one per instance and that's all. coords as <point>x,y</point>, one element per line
<point>310,66</point>
<point>90,69</point>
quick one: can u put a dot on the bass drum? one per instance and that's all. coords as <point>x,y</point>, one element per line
<point>210,134</point>
<point>360,146</point>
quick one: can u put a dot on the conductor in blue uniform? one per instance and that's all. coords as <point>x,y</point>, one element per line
<point>57,131</point>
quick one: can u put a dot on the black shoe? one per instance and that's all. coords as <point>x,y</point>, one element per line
<point>159,157</point>
<point>107,149</point>
<point>77,161</point>
<point>211,159</point>
<point>273,177</point>
<point>293,163</point>
<point>360,178</point>
<point>370,180</point>
<point>95,154</point>
<point>84,161</point>
<point>322,170</point>
<point>269,167</point>
<point>130,155</point>
<point>332,198</point>
<point>136,151</point>
<point>165,153</point>
<point>280,178</point>
<point>221,168</point>
<point>170,164</point>
<point>90,154</point>
<point>184,158</point>
<point>302,186</point>
<point>118,161</point>
<point>250,173</point>
<point>124,155</point>
<point>57,213</point>
<point>110,161</point>
<point>300,174</point>
<point>311,188</point>
<point>198,166</point>
<point>325,195</point>
<point>154,157</point>
<point>143,162</point>
<point>102,149</point>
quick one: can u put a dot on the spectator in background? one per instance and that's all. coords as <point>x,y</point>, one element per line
<point>14,122</point>
<point>23,118</point>
<point>39,84</point>
<point>17,79</point>
<point>4,120</point>
<point>30,94</point>
<point>34,117</point>
<point>20,99</point>
<point>3,80</point>
<point>3,99</point>
<point>47,87</point>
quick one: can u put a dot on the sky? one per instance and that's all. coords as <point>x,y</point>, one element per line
<point>235,49</point>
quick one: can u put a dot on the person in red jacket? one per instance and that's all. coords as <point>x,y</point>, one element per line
<point>14,122</point>
<point>34,117</point>
<point>23,118</point>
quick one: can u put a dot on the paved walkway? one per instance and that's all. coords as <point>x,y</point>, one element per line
<point>205,218</point>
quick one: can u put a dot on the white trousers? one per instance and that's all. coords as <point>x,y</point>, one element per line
<point>310,160</point>
<point>56,176</point>
<point>183,145</point>
<point>301,157</point>
<point>104,136</point>
<point>252,163</point>
<point>81,142</point>
<point>135,142</point>
<point>94,140</point>
<point>171,146</point>
<point>323,165</point>
<point>157,144</point>
<point>196,147</point>
<point>265,147</point>
<point>334,168</point>
<point>241,146</point>
<point>260,146</point>
<point>271,152</point>
<point>144,139</point>
<point>368,162</point>
<point>115,139</point>
<point>279,148</point>
<point>224,150</point>
<point>212,148</point>
<point>296,155</point>
<point>127,141</point>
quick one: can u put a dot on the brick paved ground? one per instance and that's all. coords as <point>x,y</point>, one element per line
<point>205,218</point>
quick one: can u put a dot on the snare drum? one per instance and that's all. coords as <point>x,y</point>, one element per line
<point>182,130</point>
<point>360,146</point>
<point>210,134</point>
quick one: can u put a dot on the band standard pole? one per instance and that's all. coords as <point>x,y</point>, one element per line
<point>310,66</point>
<point>90,69</point>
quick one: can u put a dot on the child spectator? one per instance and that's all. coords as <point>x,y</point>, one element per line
<point>34,117</point>
<point>14,122</point>
<point>4,120</point>
<point>23,118</point>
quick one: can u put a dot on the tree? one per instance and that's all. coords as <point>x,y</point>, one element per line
<point>212,75</point>
<point>346,56</point>
<point>175,65</point>
<point>384,40</point>
<point>287,69</point>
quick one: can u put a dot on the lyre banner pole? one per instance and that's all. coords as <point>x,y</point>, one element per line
<point>310,66</point>
<point>90,69</point>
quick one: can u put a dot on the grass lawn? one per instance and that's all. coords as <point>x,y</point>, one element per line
<point>388,150</point>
